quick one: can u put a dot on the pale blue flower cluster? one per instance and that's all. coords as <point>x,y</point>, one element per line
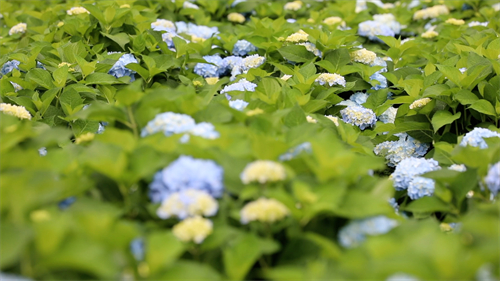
<point>372,29</point>
<point>137,249</point>
<point>168,38</point>
<point>389,116</point>
<point>216,69</point>
<point>243,47</point>
<point>402,276</point>
<point>420,187</point>
<point>295,151</point>
<point>394,204</point>
<point>119,69</point>
<point>356,99</point>
<point>187,172</point>
<point>175,123</point>
<point>356,231</point>
<point>359,116</point>
<point>66,203</point>
<point>42,151</point>
<point>492,179</point>
<point>9,66</point>
<point>40,65</point>
<point>311,47</point>
<point>192,29</point>
<point>409,168</point>
<point>382,81</point>
<point>238,104</point>
<point>476,137</point>
<point>242,85</point>
<point>405,147</point>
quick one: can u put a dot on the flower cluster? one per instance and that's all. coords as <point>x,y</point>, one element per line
<point>420,187</point>
<point>355,99</point>
<point>199,31</point>
<point>476,23</point>
<point>372,29</point>
<point>476,137</point>
<point>299,36</point>
<point>175,123</point>
<point>492,179</point>
<point>364,56</point>
<point>382,81</point>
<point>189,5</point>
<point>243,47</point>
<point>187,173</point>
<point>18,28</point>
<point>163,25</point>
<point>188,203</point>
<point>119,69</point>
<point>236,17</point>
<point>242,85</point>
<point>9,66</point>
<point>77,11</point>
<point>356,231</point>
<point>194,229</point>
<point>429,34</point>
<point>359,116</point>
<point>293,152</point>
<point>389,116</point>
<point>420,103</point>
<point>311,48</point>
<point>390,21</point>
<point>263,171</point>
<point>293,6</point>
<point>233,64</point>
<point>330,79</point>
<point>458,167</point>
<point>409,168</point>
<point>333,21</point>
<point>215,67</point>
<point>405,147</point>
<point>263,210</point>
<point>454,21</point>
<point>238,104</point>
<point>15,110</point>
<point>430,13</point>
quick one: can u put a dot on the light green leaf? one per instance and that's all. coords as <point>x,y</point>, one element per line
<point>442,118</point>
<point>41,77</point>
<point>483,106</point>
<point>296,53</point>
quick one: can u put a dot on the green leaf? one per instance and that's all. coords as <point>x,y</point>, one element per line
<point>162,249</point>
<point>452,73</point>
<point>465,97</point>
<point>435,90</point>
<point>41,77</point>
<point>295,117</point>
<point>144,73</point>
<point>121,38</point>
<point>107,159</point>
<point>130,94</point>
<point>12,242</point>
<point>338,58</point>
<point>296,53</point>
<point>190,270</point>
<point>443,117</point>
<point>427,204</point>
<point>101,79</point>
<point>60,75</point>
<point>483,106</point>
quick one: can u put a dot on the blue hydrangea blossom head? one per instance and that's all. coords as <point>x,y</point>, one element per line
<point>359,116</point>
<point>405,147</point>
<point>476,137</point>
<point>410,168</point>
<point>420,187</point>
<point>242,85</point>
<point>216,69</point>
<point>372,29</point>
<point>238,104</point>
<point>119,69</point>
<point>243,47</point>
<point>9,66</point>
<point>359,98</point>
<point>382,81</point>
<point>137,249</point>
<point>205,130</point>
<point>295,151</point>
<point>169,123</point>
<point>356,231</point>
<point>492,179</point>
<point>187,172</point>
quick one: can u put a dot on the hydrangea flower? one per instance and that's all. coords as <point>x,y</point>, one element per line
<point>389,116</point>
<point>194,229</point>
<point>9,66</point>
<point>253,61</point>
<point>476,137</point>
<point>169,123</point>
<point>205,130</point>
<point>356,231</point>
<point>331,79</point>
<point>402,276</point>
<point>216,69</point>
<point>420,187</point>
<point>293,6</point>
<point>410,168</point>
<point>390,21</point>
<point>238,104</point>
<point>187,173</point>
<point>285,77</point>
<point>242,85</point>
<point>66,203</point>
<point>476,23</point>
<point>163,25</point>
<point>359,98</point>
<point>333,21</point>
<point>243,47</point>
<point>372,29</point>
<point>492,179</point>
<point>119,69</point>
<point>199,31</point>
<point>263,171</point>
<point>16,86</point>
<point>15,110</point>
<point>405,147</point>
<point>263,210</point>
<point>311,48</point>
<point>188,203</point>
<point>77,11</point>
<point>429,34</point>
<point>359,116</point>
<point>42,151</point>
<point>364,56</point>
<point>458,167</point>
<point>431,12</point>
<point>18,28</point>
<point>420,103</point>
<point>189,5</point>
<point>137,249</point>
<point>299,36</point>
<point>293,152</point>
<point>454,21</point>
<point>236,17</point>
<point>334,119</point>
<point>382,81</point>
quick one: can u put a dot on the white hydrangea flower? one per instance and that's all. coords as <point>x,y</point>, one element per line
<point>236,17</point>
<point>193,229</point>
<point>299,36</point>
<point>15,110</point>
<point>263,210</point>
<point>419,103</point>
<point>331,79</point>
<point>293,6</point>
<point>430,13</point>
<point>364,56</point>
<point>263,171</point>
<point>311,120</point>
<point>188,203</point>
<point>18,28</point>
<point>77,11</point>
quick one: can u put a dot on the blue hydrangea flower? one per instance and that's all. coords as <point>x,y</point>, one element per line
<point>187,172</point>
<point>205,130</point>
<point>476,137</point>
<point>64,204</point>
<point>217,69</point>
<point>359,116</point>
<point>242,85</point>
<point>119,69</point>
<point>293,152</point>
<point>311,47</point>
<point>402,276</point>
<point>394,204</point>
<point>168,37</point>
<point>9,66</point>
<point>382,81</point>
<point>243,47</point>
<point>492,179</point>
<point>40,65</point>
<point>372,29</point>
<point>42,151</point>
<point>410,168</point>
<point>359,98</point>
<point>102,127</point>
<point>236,2</point>
<point>420,187</point>
<point>169,123</point>
<point>405,147</point>
<point>389,116</point>
<point>390,21</point>
<point>356,231</point>
<point>192,29</point>
<point>238,104</point>
<point>137,249</point>
<point>380,62</point>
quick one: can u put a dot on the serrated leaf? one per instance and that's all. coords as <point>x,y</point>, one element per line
<point>296,53</point>
<point>483,106</point>
<point>41,77</point>
<point>443,117</point>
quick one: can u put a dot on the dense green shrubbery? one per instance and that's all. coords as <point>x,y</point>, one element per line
<point>75,204</point>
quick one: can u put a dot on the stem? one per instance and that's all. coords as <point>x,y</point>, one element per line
<point>133,125</point>
<point>124,191</point>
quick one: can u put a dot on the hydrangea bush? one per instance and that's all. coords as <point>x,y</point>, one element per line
<point>250,140</point>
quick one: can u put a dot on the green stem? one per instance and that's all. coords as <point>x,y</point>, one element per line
<point>133,124</point>
<point>125,193</point>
